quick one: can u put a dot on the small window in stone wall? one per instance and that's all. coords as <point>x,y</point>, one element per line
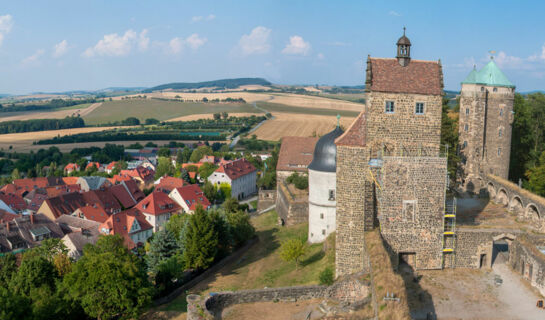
<point>465,144</point>
<point>321,215</point>
<point>409,210</point>
<point>467,110</point>
<point>419,109</point>
<point>501,112</point>
<point>390,107</point>
<point>331,195</point>
<point>466,127</point>
<point>323,232</point>
<point>500,132</point>
<point>499,151</point>
<point>495,90</point>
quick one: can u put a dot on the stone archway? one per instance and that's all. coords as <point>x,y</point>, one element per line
<point>491,190</point>
<point>515,205</point>
<point>532,212</point>
<point>502,198</point>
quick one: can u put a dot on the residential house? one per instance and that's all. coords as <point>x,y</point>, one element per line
<point>7,216</point>
<point>131,185</point>
<point>78,232</point>
<point>103,198</point>
<point>123,196</point>
<point>63,204</point>
<point>167,184</point>
<point>26,232</point>
<point>130,224</point>
<point>15,202</point>
<point>93,164</point>
<point>93,212</point>
<point>36,197</point>
<point>144,176</point>
<point>23,186</point>
<point>71,167</point>
<point>189,197</point>
<point>295,155</point>
<point>158,208</point>
<point>110,167</point>
<point>93,183</point>
<point>240,174</point>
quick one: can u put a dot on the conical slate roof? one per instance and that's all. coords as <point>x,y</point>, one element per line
<point>489,75</point>
<point>325,152</point>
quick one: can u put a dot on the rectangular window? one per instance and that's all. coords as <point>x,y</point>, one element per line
<point>321,215</point>
<point>500,132</point>
<point>331,195</point>
<point>323,232</point>
<point>501,112</point>
<point>499,151</point>
<point>419,109</point>
<point>466,127</point>
<point>390,107</point>
<point>465,144</point>
<point>409,210</point>
<point>467,110</point>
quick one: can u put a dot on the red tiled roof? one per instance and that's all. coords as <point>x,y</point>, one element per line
<point>236,168</point>
<point>296,153</point>
<point>198,165</point>
<point>94,212</point>
<point>121,223</point>
<point>193,196</point>
<point>157,203</point>
<point>192,174</point>
<point>7,216</point>
<point>70,180</point>
<point>119,178</point>
<point>71,166</point>
<point>14,201</point>
<point>421,77</point>
<point>64,189</point>
<point>111,165</point>
<point>143,173</point>
<point>122,195</point>
<point>167,183</point>
<point>104,198</point>
<point>136,193</point>
<point>91,164</point>
<point>65,204</point>
<point>355,134</point>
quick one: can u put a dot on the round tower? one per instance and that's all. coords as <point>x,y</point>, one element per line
<point>322,187</point>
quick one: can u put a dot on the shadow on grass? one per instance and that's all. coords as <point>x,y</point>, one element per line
<point>313,258</point>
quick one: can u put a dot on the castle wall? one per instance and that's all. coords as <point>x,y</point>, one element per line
<point>525,258</point>
<point>474,247</point>
<point>352,173</point>
<point>403,126</point>
<point>411,208</point>
<point>485,127</point>
<point>292,209</point>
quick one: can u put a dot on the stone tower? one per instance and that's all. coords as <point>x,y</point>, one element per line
<point>389,168</point>
<point>486,116</point>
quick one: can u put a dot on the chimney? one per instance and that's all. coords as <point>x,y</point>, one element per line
<point>32,218</point>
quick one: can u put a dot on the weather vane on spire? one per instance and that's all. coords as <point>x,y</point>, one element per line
<point>403,30</point>
<point>492,53</point>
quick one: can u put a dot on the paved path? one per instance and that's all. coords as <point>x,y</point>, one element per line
<point>519,300</point>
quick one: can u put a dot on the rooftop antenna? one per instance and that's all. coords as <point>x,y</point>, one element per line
<point>338,120</point>
<point>492,53</point>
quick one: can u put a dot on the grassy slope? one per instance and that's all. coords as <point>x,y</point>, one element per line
<point>277,107</point>
<point>262,266</point>
<point>158,109</point>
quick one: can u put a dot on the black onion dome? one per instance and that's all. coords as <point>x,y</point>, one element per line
<point>325,152</point>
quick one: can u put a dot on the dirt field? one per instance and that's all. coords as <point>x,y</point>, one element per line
<point>315,102</point>
<point>210,116</point>
<point>302,125</point>
<point>52,114</point>
<point>198,96</point>
<point>22,142</point>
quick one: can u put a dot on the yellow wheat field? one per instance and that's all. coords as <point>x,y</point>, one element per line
<point>301,125</point>
<point>53,114</point>
<point>210,116</point>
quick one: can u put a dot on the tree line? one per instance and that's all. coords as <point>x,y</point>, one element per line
<point>52,104</point>
<point>40,125</point>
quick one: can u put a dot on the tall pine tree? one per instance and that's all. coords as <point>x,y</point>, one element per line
<point>162,247</point>
<point>201,241</point>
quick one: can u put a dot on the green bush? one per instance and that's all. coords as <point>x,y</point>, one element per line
<point>327,277</point>
<point>300,181</point>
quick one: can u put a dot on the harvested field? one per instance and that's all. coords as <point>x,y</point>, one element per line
<point>162,110</point>
<point>22,142</point>
<point>315,102</point>
<point>198,96</point>
<point>302,125</point>
<point>210,116</point>
<point>82,110</point>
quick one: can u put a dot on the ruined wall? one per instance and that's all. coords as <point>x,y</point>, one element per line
<point>265,199</point>
<point>525,258</point>
<point>473,243</point>
<point>484,132</point>
<point>291,209</point>
<point>411,208</point>
<point>352,174</point>
<point>403,126</point>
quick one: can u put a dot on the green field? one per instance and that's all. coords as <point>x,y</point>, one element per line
<point>277,107</point>
<point>159,109</point>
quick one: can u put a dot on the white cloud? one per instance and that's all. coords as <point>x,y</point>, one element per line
<point>6,23</point>
<point>113,45</point>
<point>320,56</point>
<point>209,17</point>
<point>143,40</point>
<point>175,45</point>
<point>395,14</point>
<point>194,41</point>
<point>33,58</point>
<point>60,49</point>
<point>297,46</point>
<point>257,42</point>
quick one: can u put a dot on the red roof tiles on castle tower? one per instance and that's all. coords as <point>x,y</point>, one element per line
<point>355,134</point>
<point>421,77</point>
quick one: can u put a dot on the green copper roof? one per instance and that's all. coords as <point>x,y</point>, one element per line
<point>489,75</point>
<point>471,77</point>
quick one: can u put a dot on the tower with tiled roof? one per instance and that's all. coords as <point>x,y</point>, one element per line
<point>486,117</point>
<point>391,172</point>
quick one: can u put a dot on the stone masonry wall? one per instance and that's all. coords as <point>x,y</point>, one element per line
<point>525,258</point>
<point>472,244</point>
<point>265,199</point>
<point>411,208</point>
<point>292,210</point>
<point>484,132</point>
<point>403,126</point>
<point>352,173</point>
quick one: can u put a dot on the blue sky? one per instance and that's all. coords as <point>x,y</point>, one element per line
<point>70,45</point>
